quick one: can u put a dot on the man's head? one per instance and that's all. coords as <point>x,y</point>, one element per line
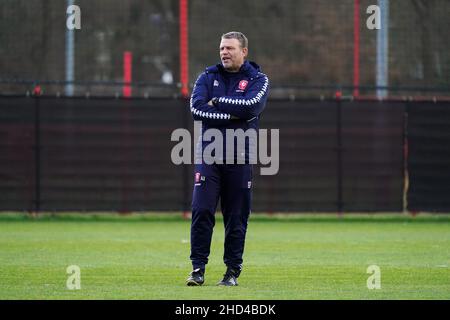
<point>233,50</point>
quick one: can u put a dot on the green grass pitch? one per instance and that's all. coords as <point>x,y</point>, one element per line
<point>296,257</point>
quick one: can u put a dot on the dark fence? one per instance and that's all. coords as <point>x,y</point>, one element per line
<point>103,154</point>
<point>429,156</point>
<point>89,154</point>
<point>335,156</point>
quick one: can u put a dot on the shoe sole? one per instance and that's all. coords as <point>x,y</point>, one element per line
<point>227,285</point>
<point>192,283</point>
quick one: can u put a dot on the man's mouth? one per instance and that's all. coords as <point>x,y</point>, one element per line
<point>225,60</point>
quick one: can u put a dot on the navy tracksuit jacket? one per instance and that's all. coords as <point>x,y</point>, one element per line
<point>242,98</point>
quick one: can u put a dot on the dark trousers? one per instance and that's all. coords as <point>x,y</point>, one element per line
<point>232,183</point>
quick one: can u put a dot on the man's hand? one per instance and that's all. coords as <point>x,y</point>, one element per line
<point>212,103</point>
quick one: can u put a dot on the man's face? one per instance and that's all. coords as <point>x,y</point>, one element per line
<point>231,54</point>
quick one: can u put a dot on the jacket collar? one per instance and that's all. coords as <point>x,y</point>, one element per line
<point>249,68</point>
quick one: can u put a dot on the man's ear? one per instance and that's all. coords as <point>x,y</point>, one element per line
<point>245,51</point>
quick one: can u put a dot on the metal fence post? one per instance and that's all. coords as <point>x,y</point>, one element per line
<point>339,154</point>
<point>37,154</point>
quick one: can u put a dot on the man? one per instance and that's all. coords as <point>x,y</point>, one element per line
<point>229,95</point>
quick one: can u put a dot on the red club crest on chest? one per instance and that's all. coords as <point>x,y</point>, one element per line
<point>243,84</point>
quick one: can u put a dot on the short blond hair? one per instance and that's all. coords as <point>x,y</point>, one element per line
<point>243,41</point>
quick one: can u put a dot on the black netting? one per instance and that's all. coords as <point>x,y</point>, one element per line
<point>308,43</point>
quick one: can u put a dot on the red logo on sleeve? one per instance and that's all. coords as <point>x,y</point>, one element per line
<point>243,84</point>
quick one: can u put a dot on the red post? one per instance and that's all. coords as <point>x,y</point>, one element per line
<point>184,62</point>
<point>37,90</point>
<point>356,44</point>
<point>127,63</point>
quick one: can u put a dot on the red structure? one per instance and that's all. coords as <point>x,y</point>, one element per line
<point>127,77</point>
<point>184,62</point>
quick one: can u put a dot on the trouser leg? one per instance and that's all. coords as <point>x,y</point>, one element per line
<point>236,206</point>
<point>204,204</point>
